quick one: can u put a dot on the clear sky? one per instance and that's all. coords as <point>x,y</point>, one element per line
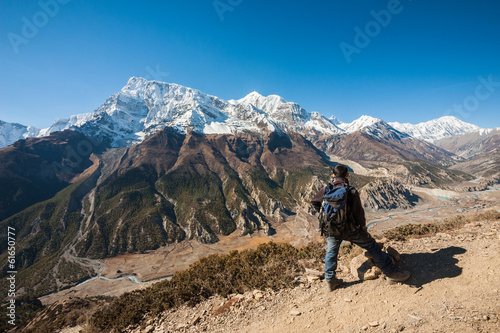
<point>406,61</point>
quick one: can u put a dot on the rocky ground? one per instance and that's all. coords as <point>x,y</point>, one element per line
<point>454,288</point>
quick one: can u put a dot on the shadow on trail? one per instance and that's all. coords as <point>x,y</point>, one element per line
<point>428,267</point>
<point>350,283</point>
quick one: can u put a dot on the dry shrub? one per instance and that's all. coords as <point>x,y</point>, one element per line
<point>446,224</point>
<point>270,266</point>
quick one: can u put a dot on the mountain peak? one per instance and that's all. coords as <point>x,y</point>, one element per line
<point>360,123</point>
<point>265,103</point>
<point>11,132</point>
<point>435,129</point>
<point>135,79</point>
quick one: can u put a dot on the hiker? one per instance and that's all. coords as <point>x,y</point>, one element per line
<point>353,229</point>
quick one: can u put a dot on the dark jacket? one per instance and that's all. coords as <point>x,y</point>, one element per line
<point>358,211</point>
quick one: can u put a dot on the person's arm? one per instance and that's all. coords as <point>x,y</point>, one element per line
<point>358,211</point>
<point>318,199</point>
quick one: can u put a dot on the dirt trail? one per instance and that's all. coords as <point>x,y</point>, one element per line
<point>454,288</point>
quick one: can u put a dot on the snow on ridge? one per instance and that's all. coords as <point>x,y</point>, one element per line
<point>359,124</point>
<point>12,132</point>
<point>269,104</point>
<point>435,129</point>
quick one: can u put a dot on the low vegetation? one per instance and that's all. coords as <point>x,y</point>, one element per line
<point>26,308</point>
<point>271,266</point>
<point>447,224</point>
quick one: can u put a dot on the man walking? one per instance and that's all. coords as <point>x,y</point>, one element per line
<point>357,234</point>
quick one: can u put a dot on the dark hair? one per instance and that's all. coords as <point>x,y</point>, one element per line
<point>340,170</point>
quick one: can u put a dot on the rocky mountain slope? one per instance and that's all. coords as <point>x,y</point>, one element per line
<point>387,194</point>
<point>480,148</point>
<point>171,187</point>
<point>472,143</point>
<point>35,169</point>
<point>388,146</point>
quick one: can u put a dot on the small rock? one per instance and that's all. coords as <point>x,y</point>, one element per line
<point>258,295</point>
<point>364,328</point>
<point>310,271</point>
<point>414,317</point>
<point>374,324</point>
<point>372,273</point>
<point>196,320</point>
<point>295,313</point>
<point>312,278</point>
<point>347,299</point>
<point>359,266</point>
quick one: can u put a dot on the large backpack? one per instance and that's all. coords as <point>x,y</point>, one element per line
<point>336,216</point>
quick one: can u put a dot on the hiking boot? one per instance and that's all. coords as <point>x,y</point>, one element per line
<point>334,283</point>
<point>397,276</point>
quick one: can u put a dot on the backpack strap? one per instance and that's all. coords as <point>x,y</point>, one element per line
<point>351,192</point>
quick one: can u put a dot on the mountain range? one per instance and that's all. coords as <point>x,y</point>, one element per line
<point>143,107</point>
<point>159,163</point>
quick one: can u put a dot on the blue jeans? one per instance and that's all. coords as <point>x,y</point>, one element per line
<point>365,241</point>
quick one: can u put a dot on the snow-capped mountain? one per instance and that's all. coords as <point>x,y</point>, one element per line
<point>11,132</point>
<point>289,116</point>
<point>358,124</point>
<point>435,129</point>
<point>143,107</point>
<point>373,126</point>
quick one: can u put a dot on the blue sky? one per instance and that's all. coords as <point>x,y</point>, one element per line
<point>419,61</point>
